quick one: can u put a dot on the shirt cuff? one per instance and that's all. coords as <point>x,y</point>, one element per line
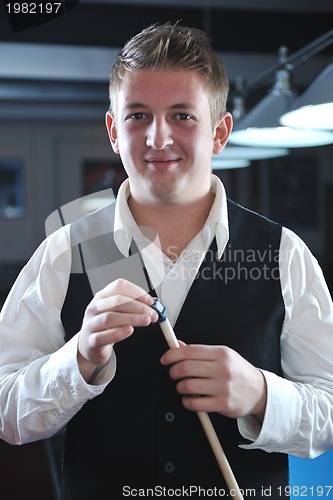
<point>282,417</point>
<point>66,379</point>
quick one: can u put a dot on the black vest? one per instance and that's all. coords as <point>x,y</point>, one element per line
<point>137,433</point>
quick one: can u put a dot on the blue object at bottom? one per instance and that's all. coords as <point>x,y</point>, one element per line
<point>311,478</point>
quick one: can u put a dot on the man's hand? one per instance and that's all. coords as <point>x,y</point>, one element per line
<point>217,379</point>
<point>109,318</point>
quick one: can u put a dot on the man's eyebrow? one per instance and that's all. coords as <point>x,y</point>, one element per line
<point>140,105</point>
<point>181,105</point>
<point>133,105</point>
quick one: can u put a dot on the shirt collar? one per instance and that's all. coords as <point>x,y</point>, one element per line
<point>217,220</point>
<point>125,227</point>
<point>124,223</point>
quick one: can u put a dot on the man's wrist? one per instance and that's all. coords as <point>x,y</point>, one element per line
<point>97,372</point>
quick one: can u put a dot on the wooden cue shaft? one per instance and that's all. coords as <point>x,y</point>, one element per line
<point>207,425</point>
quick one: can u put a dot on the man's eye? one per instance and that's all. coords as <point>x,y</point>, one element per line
<point>137,116</point>
<point>184,116</point>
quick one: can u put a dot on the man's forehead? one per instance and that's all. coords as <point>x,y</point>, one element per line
<point>178,88</point>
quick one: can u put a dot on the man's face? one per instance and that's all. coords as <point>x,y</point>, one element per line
<point>164,135</point>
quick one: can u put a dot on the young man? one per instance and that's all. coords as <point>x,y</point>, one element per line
<point>245,296</point>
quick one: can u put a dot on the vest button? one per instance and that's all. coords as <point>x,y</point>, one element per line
<point>169,417</point>
<point>169,467</point>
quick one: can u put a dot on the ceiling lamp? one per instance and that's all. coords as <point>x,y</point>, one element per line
<point>314,108</point>
<point>219,163</point>
<point>261,126</point>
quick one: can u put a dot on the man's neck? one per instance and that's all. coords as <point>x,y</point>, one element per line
<point>175,224</point>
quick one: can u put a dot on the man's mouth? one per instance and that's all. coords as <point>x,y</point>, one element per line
<point>162,164</point>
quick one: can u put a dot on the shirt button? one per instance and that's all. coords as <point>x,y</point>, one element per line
<point>169,467</point>
<point>169,417</point>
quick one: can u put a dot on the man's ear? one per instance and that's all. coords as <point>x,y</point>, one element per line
<point>112,131</point>
<point>221,132</point>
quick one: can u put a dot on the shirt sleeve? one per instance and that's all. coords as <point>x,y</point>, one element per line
<point>41,387</point>
<point>299,412</point>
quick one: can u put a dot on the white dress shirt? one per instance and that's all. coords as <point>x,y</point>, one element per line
<point>41,387</point>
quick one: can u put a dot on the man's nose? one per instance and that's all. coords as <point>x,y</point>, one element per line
<point>159,134</point>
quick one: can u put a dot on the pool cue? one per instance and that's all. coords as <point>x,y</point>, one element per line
<point>206,423</point>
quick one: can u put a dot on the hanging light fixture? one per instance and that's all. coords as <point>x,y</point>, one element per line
<point>240,153</point>
<point>314,108</point>
<point>261,126</point>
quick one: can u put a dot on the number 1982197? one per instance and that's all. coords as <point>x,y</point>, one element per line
<point>34,8</point>
<point>306,491</point>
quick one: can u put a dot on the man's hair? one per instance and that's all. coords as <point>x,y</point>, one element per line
<point>173,47</point>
